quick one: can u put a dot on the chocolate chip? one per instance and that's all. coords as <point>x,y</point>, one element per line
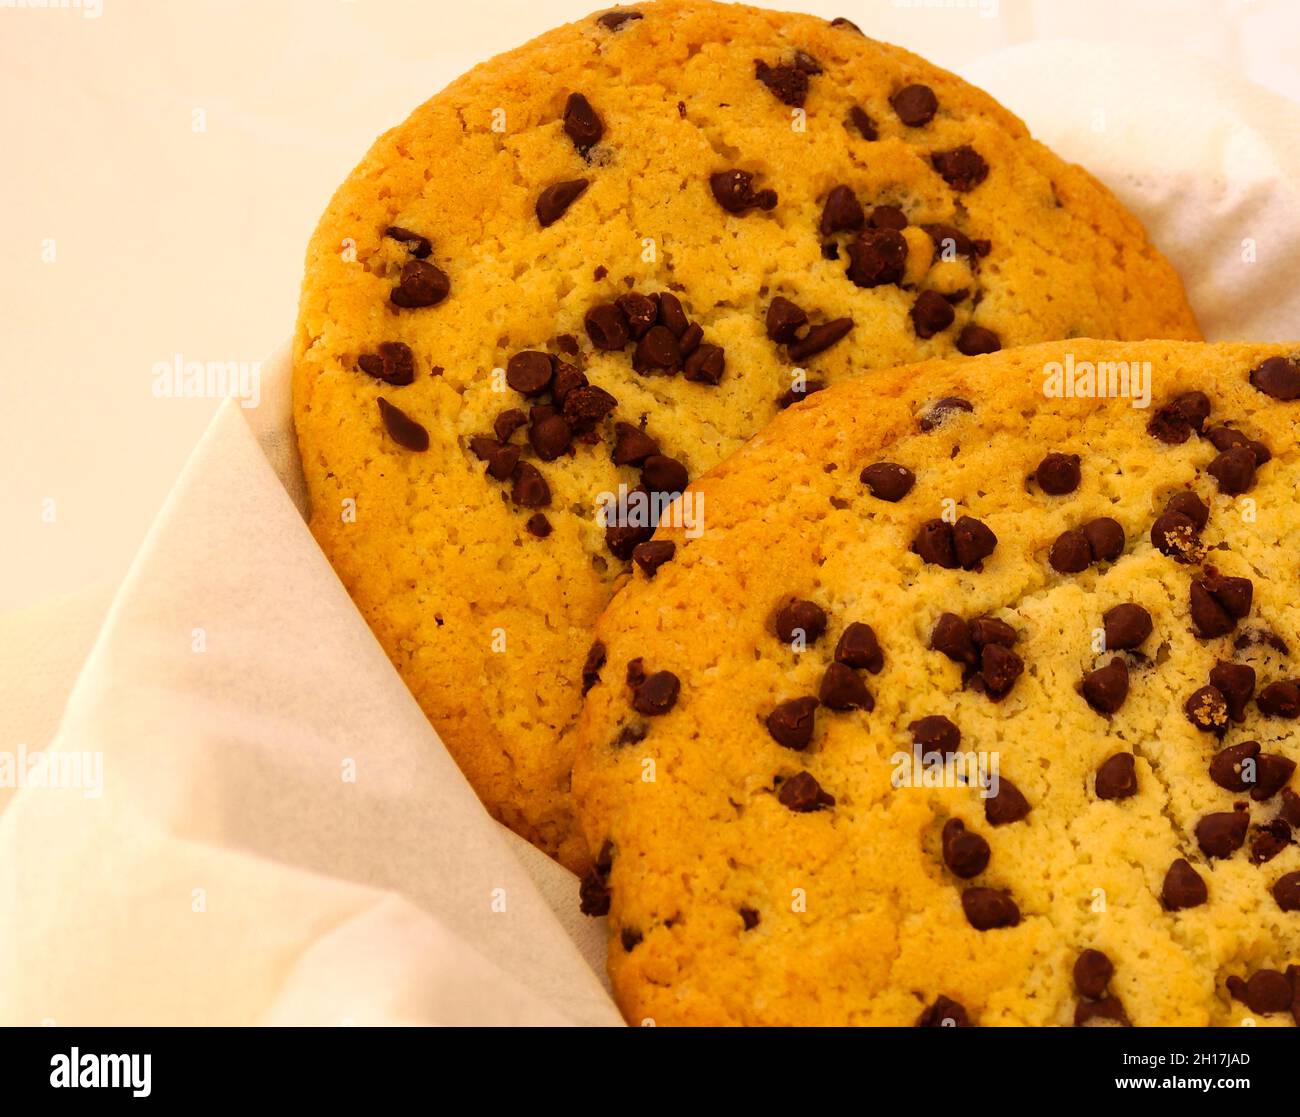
<point>581,124</point>
<point>615,20</point>
<point>749,917</point>
<point>952,637</point>
<point>567,379</point>
<point>550,437</point>
<point>789,84</point>
<point>877,257</point>
<point>1117,777</point>
<point>842,211</point>
<point>657,351</point>
<point>632,445</point>
<point>1058,474</point>
<point>950,242</point>
<point>802,793</point>
<point>1236,682</point>
<point>529,373</point>
<point>402,429</point>
<point>1106,688</point>
<point>888,217</point>
<point>593,892</point>
<point>931,314</point>
<point>635,672</point>
<point>705,365</point>
<point>585,407</point>
<point>530,489</point>
<point>607,327</point>
<point>888,481</point>
<point>501,459</point>
<point>974,341</point>
<point>798,392</point>
<point>1217,603</point>
<point>1234,470</point>
<point>508,422</point>
<point>591,667</point>
<point>988,909</point>
<point>1266,992</point>
<point>791,723</point>
<point>784,320</point>
<point>1222,833</point>
<point>420,284</point>
<point>1126,626</point>
<point>1108,1008</point>
<point>1272,839</point>
<point>538,525</point>
<point>1174,534</point>
<point>858,647</point>
<point>999,670</point>
<point>1207,709</point>
<point>944,1012</point>
<point>1070,554</point>
<point>1287,892</point>
<point>942,410</point>
<point>734,192</point>
<point>862,121</point>
<point>934,733</point>
<point>557,198</point>
<point>639,311</point>
<point>1105,539</point>
<point>1289,811</point>
<point>845,24</point>
<point>1175,421</point>
<point>915,105</point>
<point>934,543</point>
<point>1092,973</point>
<point>819,338</point>
<point>1183,887</point>
<point>972,541</point>
<point>962,168</point>
<point>1278,377</point>
<point>622,539</point>
<point>630,938</point>
<point>671,314</point>
<point>1188,504</point>
<point>1007,806</point>
<point>662,474</point>
<point>651,556</point>
<point>1228,768</point>
<point>1272,773</point>
<point>842,689</point>
<point>393,363</point>
<point>418,246</point>
<point>1280,699</point>
<point>990,630</point>
<point>657,694</point>
<point>690,339</point>
<point>965,853</point>
<point>805,620</point>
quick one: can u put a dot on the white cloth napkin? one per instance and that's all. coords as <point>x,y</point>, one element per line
<point>280,837</point>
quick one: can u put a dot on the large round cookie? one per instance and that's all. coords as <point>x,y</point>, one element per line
<point>915,582</point>
<point>727,172</point>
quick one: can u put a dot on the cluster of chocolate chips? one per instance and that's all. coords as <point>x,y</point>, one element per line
<point>790,724</point>
<point>787,324</point>
<point>420,283</point>
<point>1092,973</point>
<point>1239,455</point>
<point>666,341</point>
<point>1126,627</point>
<point>983,648</point>
<point>584,127</point>
<point>965,853</point>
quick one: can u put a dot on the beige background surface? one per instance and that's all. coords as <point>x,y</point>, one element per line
<point>164,164</point>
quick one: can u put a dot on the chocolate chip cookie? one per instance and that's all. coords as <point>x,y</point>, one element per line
<point>591,268</point>
<point>977,703</point>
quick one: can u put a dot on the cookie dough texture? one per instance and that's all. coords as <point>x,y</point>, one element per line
<point>729,908</point>
<point>489,624</point>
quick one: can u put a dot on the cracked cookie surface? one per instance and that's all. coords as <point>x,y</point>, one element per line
<point>1092,600</point>
<point>643,224</point>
